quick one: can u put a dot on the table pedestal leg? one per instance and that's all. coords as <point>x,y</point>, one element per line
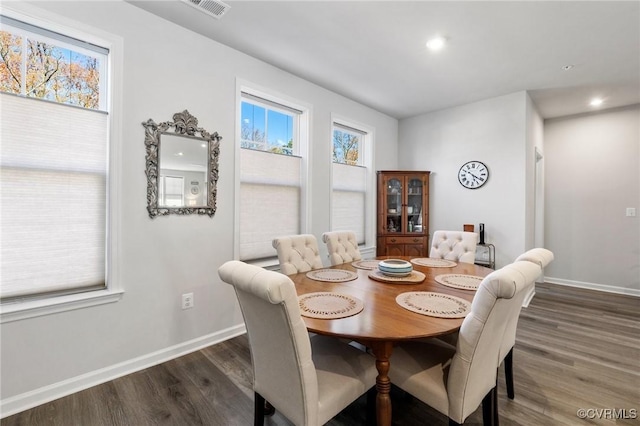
<point>382,352</point>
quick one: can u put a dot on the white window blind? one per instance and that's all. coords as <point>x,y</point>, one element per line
<point>171,191</point>
<point>270,196</point>
<point>53,179</point>
<point>348,199</point>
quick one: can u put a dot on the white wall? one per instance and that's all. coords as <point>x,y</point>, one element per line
<point>493,131</point>
<point>534,210</point>
<point>166,69</point>
<point>592,166</point>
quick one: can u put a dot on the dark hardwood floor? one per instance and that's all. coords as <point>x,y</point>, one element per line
<point>576,349</point>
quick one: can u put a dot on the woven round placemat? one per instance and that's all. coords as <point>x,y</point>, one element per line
<point>365,264</point>
<point>434,304</point>
<point>326,305</point>
<point>434,263</point>
<point>464,282</point>
<point>332,275</point>
<point>413,278</point>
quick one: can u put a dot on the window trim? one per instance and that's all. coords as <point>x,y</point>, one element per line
<point>20,308</point>
<point>366,151</point>
<point>303,151</point>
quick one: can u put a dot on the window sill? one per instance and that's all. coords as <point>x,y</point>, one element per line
<point>270,263</point>
<point>21,310</point>
<point>368,252</point>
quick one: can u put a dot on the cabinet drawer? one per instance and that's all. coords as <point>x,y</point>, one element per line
<point>405,240</point>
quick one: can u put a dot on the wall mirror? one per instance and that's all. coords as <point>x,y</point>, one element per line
<point>181,166</point>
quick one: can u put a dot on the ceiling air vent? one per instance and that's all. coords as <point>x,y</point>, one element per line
<point>214,8</point>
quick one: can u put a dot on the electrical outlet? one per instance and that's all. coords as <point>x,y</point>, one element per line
<point>187,301</point>
<point>631,212</point>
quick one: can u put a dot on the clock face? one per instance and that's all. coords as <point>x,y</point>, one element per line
<point>473,174</point>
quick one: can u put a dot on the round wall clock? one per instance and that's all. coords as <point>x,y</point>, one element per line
<point>473,174</point>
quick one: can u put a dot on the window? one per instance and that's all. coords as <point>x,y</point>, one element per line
<point>350,181</point>
<point>171,191</point>
<point>347,145</point>
<point>267,126</point>
<point>272,141</point>
<point>53,163</point>
<point>38,63</point>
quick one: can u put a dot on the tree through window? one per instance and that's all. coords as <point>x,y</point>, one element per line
<point>33,65</point>
<point>346,146</point>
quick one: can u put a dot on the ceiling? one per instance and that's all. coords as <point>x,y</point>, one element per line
<point>374,51</point>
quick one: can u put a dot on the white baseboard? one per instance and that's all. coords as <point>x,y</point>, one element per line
<point>593,286</point>
<point>27,400</point>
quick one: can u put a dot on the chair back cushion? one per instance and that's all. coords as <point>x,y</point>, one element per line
<point>530,271</point>
<point>541,256</point>
<point>342,247</point>
<point>474,367</point>
<point>297,253</point>
<point>283,369</point>
<point>458,246</point>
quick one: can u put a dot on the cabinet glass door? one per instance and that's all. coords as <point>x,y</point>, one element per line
<point>415,192</point>
<point>394,205</point>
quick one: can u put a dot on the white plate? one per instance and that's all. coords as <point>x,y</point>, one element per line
<point>395,264</point>
<point>395,274</point>
<point>395,270</point>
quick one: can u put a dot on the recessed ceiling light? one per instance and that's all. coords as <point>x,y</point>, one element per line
<point>436,43</point>
<point>567,67</point>
<point>596,102</point>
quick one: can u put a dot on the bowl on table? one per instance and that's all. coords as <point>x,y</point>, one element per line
<point>395,267</point>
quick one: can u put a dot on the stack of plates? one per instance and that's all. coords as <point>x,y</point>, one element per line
<point>395,267</point>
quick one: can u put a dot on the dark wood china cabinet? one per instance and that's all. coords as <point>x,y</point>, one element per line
<point>403,213</point>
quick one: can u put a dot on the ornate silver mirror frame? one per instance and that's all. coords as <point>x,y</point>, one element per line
<point>184,125</point>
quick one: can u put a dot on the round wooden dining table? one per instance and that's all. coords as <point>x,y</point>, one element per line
<point>382,323</point>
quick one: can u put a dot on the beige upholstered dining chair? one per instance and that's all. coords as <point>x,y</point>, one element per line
<point>458,246</point>
<point>308,380</point>
<point>541,257</point>
<point>342,247</point>
<point>457,380</point>
<point>297,253</point>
